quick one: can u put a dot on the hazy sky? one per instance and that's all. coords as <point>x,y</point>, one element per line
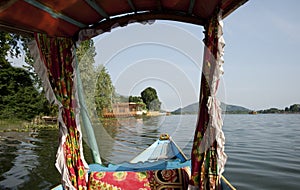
<point>164,55</point>
<point>261,57</point>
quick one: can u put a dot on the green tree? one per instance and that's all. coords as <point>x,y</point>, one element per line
<point>150,98</point>
<point>155,105</point>
<point>104,92</point>
<point>9,46</point>
<point>136,99</point>
<point>86,59</point>
<point>20,98</point>
<point>295,108</point>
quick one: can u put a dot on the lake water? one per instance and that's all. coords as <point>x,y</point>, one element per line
<point>263,150</point>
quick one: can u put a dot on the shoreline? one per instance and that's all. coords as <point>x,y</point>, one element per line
<point>23,126</point>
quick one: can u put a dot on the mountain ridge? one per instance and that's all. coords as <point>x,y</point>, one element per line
<point>226,108</point>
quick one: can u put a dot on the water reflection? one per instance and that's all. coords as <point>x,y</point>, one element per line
<point>121,139</point>
<point>263,150</point>
<point>26,158</point>
<point>7,153</point>
<point>127,136</point>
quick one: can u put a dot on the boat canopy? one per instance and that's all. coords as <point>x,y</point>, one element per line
<point>56,25</point>
<point>68,18</point>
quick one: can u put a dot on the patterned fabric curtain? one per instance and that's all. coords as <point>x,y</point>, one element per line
<point>55,64</point>
<point>208,157</point>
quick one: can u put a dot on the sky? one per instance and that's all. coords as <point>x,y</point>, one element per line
<point>261,57</point>
<point>261,54</point>
<point>165,56</point>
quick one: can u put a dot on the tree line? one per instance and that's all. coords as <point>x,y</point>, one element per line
<point>100,94</point>
<point>21,92</point>
<point>295,108</point>
<point>149,98</point>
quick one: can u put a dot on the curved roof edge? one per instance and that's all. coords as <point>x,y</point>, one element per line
<point>68,18</point>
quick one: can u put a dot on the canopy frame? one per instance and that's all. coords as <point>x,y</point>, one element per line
<point>60,22</point>
<point>102,15</point>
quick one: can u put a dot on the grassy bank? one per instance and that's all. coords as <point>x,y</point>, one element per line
<point>23,126</point>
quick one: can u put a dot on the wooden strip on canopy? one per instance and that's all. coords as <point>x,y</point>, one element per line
<point>64,18</point>
<point>55,14</point>
<point>95,6</point>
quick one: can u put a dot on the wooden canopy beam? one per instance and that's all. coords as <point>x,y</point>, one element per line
<point>131,5</point>
<point>4,4</point>
<point>234,4</point>
<point>13,29</point>
<point>191,6</point>
<point>159,5</point>
<point>97,8</point>
<point>55,14</point>
<point>107,25</point>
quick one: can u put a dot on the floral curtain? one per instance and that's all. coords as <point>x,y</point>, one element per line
<point>208,157</point>
<point>55,63</point>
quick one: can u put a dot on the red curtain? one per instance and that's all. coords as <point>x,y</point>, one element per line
<point>204,155</point>
<point>58,57</point>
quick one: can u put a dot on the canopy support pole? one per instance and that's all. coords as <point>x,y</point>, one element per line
<point>208,157</point>
<point>86,120</point>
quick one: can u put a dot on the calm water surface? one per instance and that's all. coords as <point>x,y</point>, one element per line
<point>263,150</point>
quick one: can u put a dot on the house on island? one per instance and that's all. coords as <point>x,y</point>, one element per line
<point>125,109</point>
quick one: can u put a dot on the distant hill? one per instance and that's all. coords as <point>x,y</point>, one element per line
<point>234,108</point>
<point>193,109</point>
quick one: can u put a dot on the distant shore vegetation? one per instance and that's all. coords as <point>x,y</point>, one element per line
<point>295,108</point>
<point>21,91</point>
<point>234,109</point>
<point>22,96</point>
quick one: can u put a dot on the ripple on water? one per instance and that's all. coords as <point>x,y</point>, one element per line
<point>20,162</point>
<point>264,157</point>
<point>263,150</point>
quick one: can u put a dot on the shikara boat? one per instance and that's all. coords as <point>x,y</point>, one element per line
<point>57,26</point>
<point>153,166</point>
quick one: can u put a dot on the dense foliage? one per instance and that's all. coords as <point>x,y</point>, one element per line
<point>97,85</point>
<point>21,94</point>
<point>104,92</point>
<point>150,98</point>
<point>18,97</point>
<point>295,108</point>
<point>136,99</point>
<point>9,46</point>
<point>85,54</point>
